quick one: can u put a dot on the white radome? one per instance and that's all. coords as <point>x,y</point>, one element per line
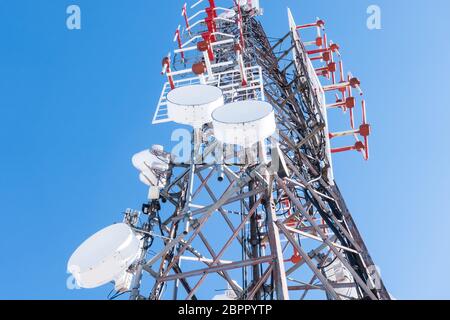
<point>244,123</point>
<point>193,105</point>
<point>105,256</point>
<point>146,162</point>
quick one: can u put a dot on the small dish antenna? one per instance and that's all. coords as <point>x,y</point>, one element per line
<point>193,105</point>
<point>105,256</point>
<point>244,123</point>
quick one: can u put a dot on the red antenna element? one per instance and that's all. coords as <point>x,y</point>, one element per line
<point>211,22</point>
<point>211,11</point>
<point>319,24</point>
<point>184,14</point>
<point>326,52</point>
<point>352,83</point>
<point>364,130</point>
<point>342,89</point>
<point>240,24</point>
<point>167,70</point>
<point>328,70</point>
<point>206,45</point>
<point>179,42</point>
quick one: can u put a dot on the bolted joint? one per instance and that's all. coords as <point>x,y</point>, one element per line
<point>332,67</point>
<point>165,61</point>
<point>354,82</point>
<point>202,46</point>
<point>319,41</point>
<point>334,47</point>
<point>199,68</point>
<point>350,102</point>
<point>364,130</point>
<point>359,146</point>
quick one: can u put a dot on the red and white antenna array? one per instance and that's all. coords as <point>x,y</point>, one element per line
<point>331,68</point>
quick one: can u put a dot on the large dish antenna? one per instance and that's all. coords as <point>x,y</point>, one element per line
<point>193,105</point>
<point>244,123</point>
<point>105,256</point>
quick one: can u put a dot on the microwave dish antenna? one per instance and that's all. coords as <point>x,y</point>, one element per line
<point>105,256</point>
<point>244,123</point>
<point>193,105</point>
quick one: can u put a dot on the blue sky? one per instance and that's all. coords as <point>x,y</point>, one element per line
<point>76,105</point>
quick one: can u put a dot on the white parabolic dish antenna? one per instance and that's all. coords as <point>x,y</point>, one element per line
<point>193,105</point>
<point>105,256</point>
<point>244,123</point>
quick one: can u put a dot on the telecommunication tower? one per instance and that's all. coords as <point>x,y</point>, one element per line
<point>250,206</point>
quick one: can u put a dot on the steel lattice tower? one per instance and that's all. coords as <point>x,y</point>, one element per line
<point>271,224</point>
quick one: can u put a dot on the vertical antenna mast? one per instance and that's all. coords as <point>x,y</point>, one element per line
<point>254,208</point>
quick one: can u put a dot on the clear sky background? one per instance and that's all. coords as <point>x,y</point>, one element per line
<point>76,105</point>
